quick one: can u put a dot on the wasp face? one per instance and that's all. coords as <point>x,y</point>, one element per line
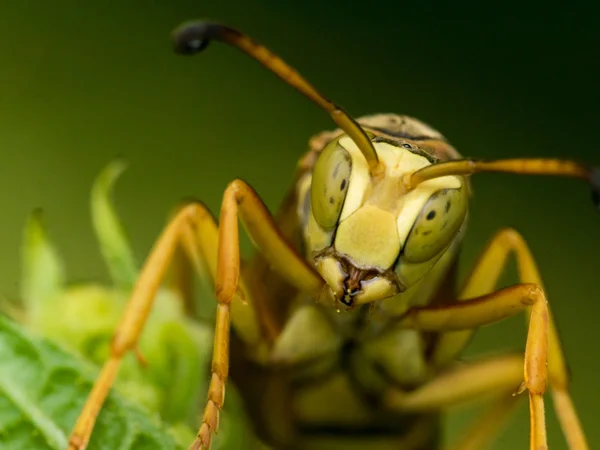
<point>369,237</point>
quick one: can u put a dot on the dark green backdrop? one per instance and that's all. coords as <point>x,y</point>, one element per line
<point>81,84</point>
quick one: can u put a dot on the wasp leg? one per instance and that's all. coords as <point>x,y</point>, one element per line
<point>191,227</point>
<point>483,308</point>
<point>134,317</point>
<point>180,278</point>
<point>240,202</point>
<point>483,279</point>
<point>492,308</point>
<point>497,377</point>
<point>199,249</point>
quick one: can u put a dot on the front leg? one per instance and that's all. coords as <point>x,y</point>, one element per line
<point>481,306</point>
<point>240,202</point>
<point>195,229</point>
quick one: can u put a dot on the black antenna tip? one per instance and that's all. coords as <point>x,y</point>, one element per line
<point>595,182</point>
<point>192,37</point>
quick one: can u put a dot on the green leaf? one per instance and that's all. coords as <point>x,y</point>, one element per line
<point>114,243</point>
<point>43,272</point>
<point>83,319</point>
<point>42,391</point>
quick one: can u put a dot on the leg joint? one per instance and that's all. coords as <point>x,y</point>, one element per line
<point>511,237</point>
<point>535,292</point>
<point>235,187</point>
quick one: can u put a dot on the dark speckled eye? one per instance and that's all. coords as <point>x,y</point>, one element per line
<point>437,224</point>
<point>329,187</point>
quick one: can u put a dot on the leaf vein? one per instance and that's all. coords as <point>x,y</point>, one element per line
<point>54,435</point>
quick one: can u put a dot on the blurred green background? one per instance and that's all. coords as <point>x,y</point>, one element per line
<point>83,83</point>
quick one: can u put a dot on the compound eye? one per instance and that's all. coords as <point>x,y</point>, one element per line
<point>437,224</point>
<point>329,186</point>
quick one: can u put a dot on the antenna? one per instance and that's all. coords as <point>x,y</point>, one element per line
<point>193,37</point>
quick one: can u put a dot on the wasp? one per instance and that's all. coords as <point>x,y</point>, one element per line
<point>346,328</point>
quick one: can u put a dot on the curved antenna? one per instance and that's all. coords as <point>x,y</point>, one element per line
<point>193,37</point>
<point>524,166</point>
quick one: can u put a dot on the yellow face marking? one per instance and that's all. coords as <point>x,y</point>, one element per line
<point>369,237</point>
<point>360,179</point>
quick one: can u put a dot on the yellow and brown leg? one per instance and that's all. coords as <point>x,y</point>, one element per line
<point>482,307</point>
<point>195,229</point>
<point>494,377</point>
